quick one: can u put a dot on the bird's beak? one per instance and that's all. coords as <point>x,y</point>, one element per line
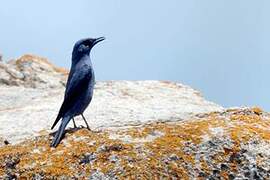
<point>99,40</point>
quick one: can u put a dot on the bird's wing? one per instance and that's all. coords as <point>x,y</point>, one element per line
<point>68,81</point>
<point>78,82</point>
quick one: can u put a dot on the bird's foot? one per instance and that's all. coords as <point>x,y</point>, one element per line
<point>93,131</point>
<point>87,127</point>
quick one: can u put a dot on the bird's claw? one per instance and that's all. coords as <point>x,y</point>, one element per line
<point>93,131</point>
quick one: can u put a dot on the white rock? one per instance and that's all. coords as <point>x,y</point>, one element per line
<point>25,111</point>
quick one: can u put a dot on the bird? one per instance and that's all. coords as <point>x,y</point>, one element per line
<point>79,87</point>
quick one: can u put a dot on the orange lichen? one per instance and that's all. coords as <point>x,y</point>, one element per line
<point>34,58</point>
<point>170,154</point>
<point>257,110</point>
<point>139,132</point>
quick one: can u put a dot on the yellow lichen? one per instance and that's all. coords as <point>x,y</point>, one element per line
<point>164,156</point>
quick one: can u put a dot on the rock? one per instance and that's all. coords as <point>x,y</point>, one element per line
<point>32,89</point>
<point>32,71</point>
<point>149,130</point>
<point>188,149</point>
<point>27,111</point>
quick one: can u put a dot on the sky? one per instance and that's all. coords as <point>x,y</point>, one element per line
<point>221,48</point>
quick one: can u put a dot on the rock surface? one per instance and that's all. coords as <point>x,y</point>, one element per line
<point>25,111</point>
<point>233,144</point>
<point>149,130</point>
<point>32,71</point>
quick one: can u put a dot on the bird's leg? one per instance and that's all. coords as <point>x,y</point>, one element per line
<point>86,122</point>
<point>74,123</point>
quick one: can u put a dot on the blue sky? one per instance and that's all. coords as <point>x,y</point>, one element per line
<point>218,47</point>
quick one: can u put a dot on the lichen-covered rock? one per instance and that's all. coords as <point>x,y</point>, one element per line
<point>32,71</point>
<point>227,145</point>
<point>149,130</point>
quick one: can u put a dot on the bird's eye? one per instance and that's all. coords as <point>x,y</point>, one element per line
<point>86,45</point>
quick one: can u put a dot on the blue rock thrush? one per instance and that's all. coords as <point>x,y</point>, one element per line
<point>79,88</point>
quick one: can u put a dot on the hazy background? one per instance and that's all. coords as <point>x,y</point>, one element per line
<point>220,47</point>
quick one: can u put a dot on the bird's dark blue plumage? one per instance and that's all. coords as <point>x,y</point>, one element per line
<point>79,88</point>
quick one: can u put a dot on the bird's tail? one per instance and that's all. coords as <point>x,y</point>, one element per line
<point>60,132</point>
<point>56,120</point>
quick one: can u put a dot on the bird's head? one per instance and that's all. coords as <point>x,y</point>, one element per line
<point>84,46</point>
